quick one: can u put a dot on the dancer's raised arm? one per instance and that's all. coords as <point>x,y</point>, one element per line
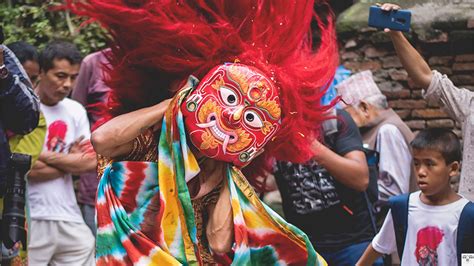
<point>115,138</point>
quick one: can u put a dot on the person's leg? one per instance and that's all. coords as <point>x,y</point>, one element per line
<point>76,245</point>
<point>88,212</point>
<point>42,242</point>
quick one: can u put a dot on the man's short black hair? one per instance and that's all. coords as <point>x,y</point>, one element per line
<point>58,50</point>
<point>24,51</point>
<point>441,140</point>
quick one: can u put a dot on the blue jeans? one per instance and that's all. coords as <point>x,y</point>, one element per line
<point>348,255</point>
<point>88,212</point>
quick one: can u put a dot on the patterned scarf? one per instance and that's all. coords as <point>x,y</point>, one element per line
<point>145,214</point>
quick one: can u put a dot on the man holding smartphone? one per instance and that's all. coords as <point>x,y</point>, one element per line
<point>458,102</point>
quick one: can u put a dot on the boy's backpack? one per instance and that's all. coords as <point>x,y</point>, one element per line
<point>465,234</point>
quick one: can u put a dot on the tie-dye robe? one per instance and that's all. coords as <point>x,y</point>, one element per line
<point>145,214</point>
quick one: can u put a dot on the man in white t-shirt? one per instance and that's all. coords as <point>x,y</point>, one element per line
<point>433,213</point>
<point>58,233</point>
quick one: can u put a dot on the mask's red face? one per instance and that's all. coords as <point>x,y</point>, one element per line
<point>232,114</point>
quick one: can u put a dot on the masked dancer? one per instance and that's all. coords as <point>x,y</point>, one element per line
<point>245,82</point>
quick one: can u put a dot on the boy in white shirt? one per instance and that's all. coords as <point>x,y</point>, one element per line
<point>430,231</point>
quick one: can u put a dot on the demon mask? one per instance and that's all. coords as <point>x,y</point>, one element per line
<point>232,114</point>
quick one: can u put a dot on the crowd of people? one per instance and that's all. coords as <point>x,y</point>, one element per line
<point>159,180</point>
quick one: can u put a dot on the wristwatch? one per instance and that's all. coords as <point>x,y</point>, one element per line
<point>3,72</point>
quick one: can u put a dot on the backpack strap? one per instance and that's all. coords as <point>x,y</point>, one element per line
<point>465,234</point>
<point>399,211</point>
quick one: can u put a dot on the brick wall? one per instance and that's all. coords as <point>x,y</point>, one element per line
<point>364,51</point>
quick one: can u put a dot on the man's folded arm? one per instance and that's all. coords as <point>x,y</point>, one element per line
<point>73,163</point>
<point>44,172</point>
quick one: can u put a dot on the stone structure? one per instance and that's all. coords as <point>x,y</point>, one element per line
<point>442,30</point>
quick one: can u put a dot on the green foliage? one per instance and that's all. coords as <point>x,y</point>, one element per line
<point>38,22</point>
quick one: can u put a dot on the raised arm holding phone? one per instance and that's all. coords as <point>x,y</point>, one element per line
<point>458,102</point>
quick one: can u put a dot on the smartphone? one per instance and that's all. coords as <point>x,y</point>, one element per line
<point>394,20</point>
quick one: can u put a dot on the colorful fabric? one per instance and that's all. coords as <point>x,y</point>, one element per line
<point>145,214</point>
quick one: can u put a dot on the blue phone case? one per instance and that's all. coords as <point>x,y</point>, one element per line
<point>394,20</point>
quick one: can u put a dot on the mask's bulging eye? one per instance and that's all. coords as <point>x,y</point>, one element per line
<point>253,119</point>
<point>228,96</point>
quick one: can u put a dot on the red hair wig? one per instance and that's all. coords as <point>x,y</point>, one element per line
<point>156,45</point>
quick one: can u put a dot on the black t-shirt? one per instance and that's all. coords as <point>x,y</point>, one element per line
<point>331,214</point>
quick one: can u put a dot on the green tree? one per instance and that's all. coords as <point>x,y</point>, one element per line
<point>38,22</point>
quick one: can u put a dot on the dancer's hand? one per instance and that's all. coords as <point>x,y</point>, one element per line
<point>161,108</point>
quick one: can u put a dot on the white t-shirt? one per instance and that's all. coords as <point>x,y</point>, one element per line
<point>55,199</point>
<point>395,162</point>
<point>431,233</point>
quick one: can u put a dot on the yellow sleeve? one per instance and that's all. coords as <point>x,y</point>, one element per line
<point>32,143</point>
